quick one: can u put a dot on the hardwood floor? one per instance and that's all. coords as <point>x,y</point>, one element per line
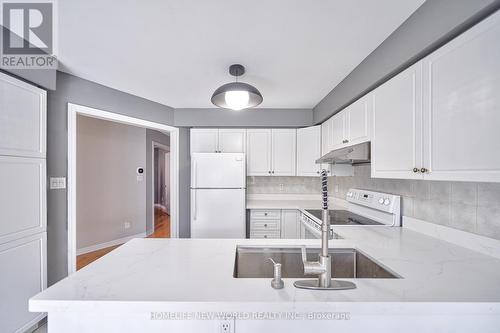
<point>84,259</point>
<point>162,230</point>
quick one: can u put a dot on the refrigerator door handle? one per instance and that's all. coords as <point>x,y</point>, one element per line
<point>194,205</point>
<point>193,176</point>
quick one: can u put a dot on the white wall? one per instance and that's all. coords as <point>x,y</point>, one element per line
<point>108,192</point>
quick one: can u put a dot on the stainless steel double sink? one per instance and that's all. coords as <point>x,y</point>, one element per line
<point>252,262</point>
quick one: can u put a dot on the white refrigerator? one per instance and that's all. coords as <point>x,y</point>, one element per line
<point>218,195</point>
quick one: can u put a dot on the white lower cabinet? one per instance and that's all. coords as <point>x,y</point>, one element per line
<point>265,223</point>
<point>275,223</point>
<point>23,263</point>
<point>290,224</point>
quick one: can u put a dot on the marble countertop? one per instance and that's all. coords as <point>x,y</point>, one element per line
<point>197,275</point>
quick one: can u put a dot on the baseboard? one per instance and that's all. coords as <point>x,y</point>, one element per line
<point>114,242</point>
<point>481,244</point>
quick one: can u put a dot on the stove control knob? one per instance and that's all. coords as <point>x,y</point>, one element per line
<point>387,202</point>
<point>381,201</point>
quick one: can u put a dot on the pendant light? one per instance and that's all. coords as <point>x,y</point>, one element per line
<point>236,95</point>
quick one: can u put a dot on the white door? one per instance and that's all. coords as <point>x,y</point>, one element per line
<point>232,140</point>
<point>218,213</point>
<point>290,224</point>
<point>259,152</point>
<point>308,150</point>
<point>22,197</point>
<point>461,106</point>
<point>24,265</point>
<point>22,118</point>
<point>284,152</point>
<point>212,170</point>
<point>396,137</point>
<point>337,130</point>
<point>358,121</point>
<point>204,140</point>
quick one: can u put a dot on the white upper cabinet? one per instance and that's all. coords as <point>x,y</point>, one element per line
<point>284,152</point>
<point>325,136</point>
<point>357,121</point>
<point>271,152</point>
<point>337,137</point>
<point>350,126</point>
<point>232,140</point>
<point>439,119</point>
<point>22,118</point>
<point>258,152</point>
<point>204,140</point>
<point>308,150</point>
<point>213,140</point>
<point>396,137</point>
<point>461,106</point>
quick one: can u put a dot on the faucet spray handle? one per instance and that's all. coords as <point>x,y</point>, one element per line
<point>324,188</point>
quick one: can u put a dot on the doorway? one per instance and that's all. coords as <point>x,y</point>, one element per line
<point>170,202</point>
<point>161,190</point>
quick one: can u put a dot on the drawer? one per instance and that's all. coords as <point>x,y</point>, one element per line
<point>264,225</point>
<point>265,234</point>
<point>265,213</point>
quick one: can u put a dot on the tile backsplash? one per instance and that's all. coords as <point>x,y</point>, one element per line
<point>468,206</point>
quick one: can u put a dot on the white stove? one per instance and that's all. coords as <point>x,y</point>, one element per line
<point>364,208</point>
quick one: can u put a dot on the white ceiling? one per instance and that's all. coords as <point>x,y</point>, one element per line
<point>176,52</point>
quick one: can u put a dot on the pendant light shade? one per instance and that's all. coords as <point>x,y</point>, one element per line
<point>236,95</point>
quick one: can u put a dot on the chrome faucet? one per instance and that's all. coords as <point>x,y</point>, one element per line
<point>323,267</point>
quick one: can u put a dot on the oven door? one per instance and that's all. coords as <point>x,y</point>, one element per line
<point>311,228</point>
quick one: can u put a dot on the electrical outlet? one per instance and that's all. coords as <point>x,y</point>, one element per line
<point>126,225</point>
<point>226,326</point>
<point>282,187</point>
<point>336,188</point>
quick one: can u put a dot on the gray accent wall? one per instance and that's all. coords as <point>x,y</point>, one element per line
<point>249,118</point>
<point>71,89</point>
<point>429,27</point>
<point>184,184</point>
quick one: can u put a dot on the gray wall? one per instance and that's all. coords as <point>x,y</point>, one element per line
<point>108,191</point>
<point>432,25</point>
<point>184,183</point>
<point>152,135</point>
<point>469,206</point>
<point>71,89</point>
<point>248,118</point>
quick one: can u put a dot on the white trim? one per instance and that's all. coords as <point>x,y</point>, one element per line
<point>155,144</point>
<point>104,245</point>
<point>73,110</point>
<point>481,244</point>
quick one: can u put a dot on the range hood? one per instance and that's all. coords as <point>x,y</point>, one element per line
<point>356,154</point>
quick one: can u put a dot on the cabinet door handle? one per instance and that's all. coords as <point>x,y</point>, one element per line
<point>265,225</point>
<point>265,236</point>
<point>423,170</point>
<point>415,170</point>
<point>269,172</point>
<point>272,172</point>
<point>265,214</point>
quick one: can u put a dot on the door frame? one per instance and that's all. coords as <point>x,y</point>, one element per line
<point>173,132</point>
<point>154,145</point>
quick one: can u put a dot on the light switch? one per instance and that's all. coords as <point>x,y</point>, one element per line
<point>57,183</point>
